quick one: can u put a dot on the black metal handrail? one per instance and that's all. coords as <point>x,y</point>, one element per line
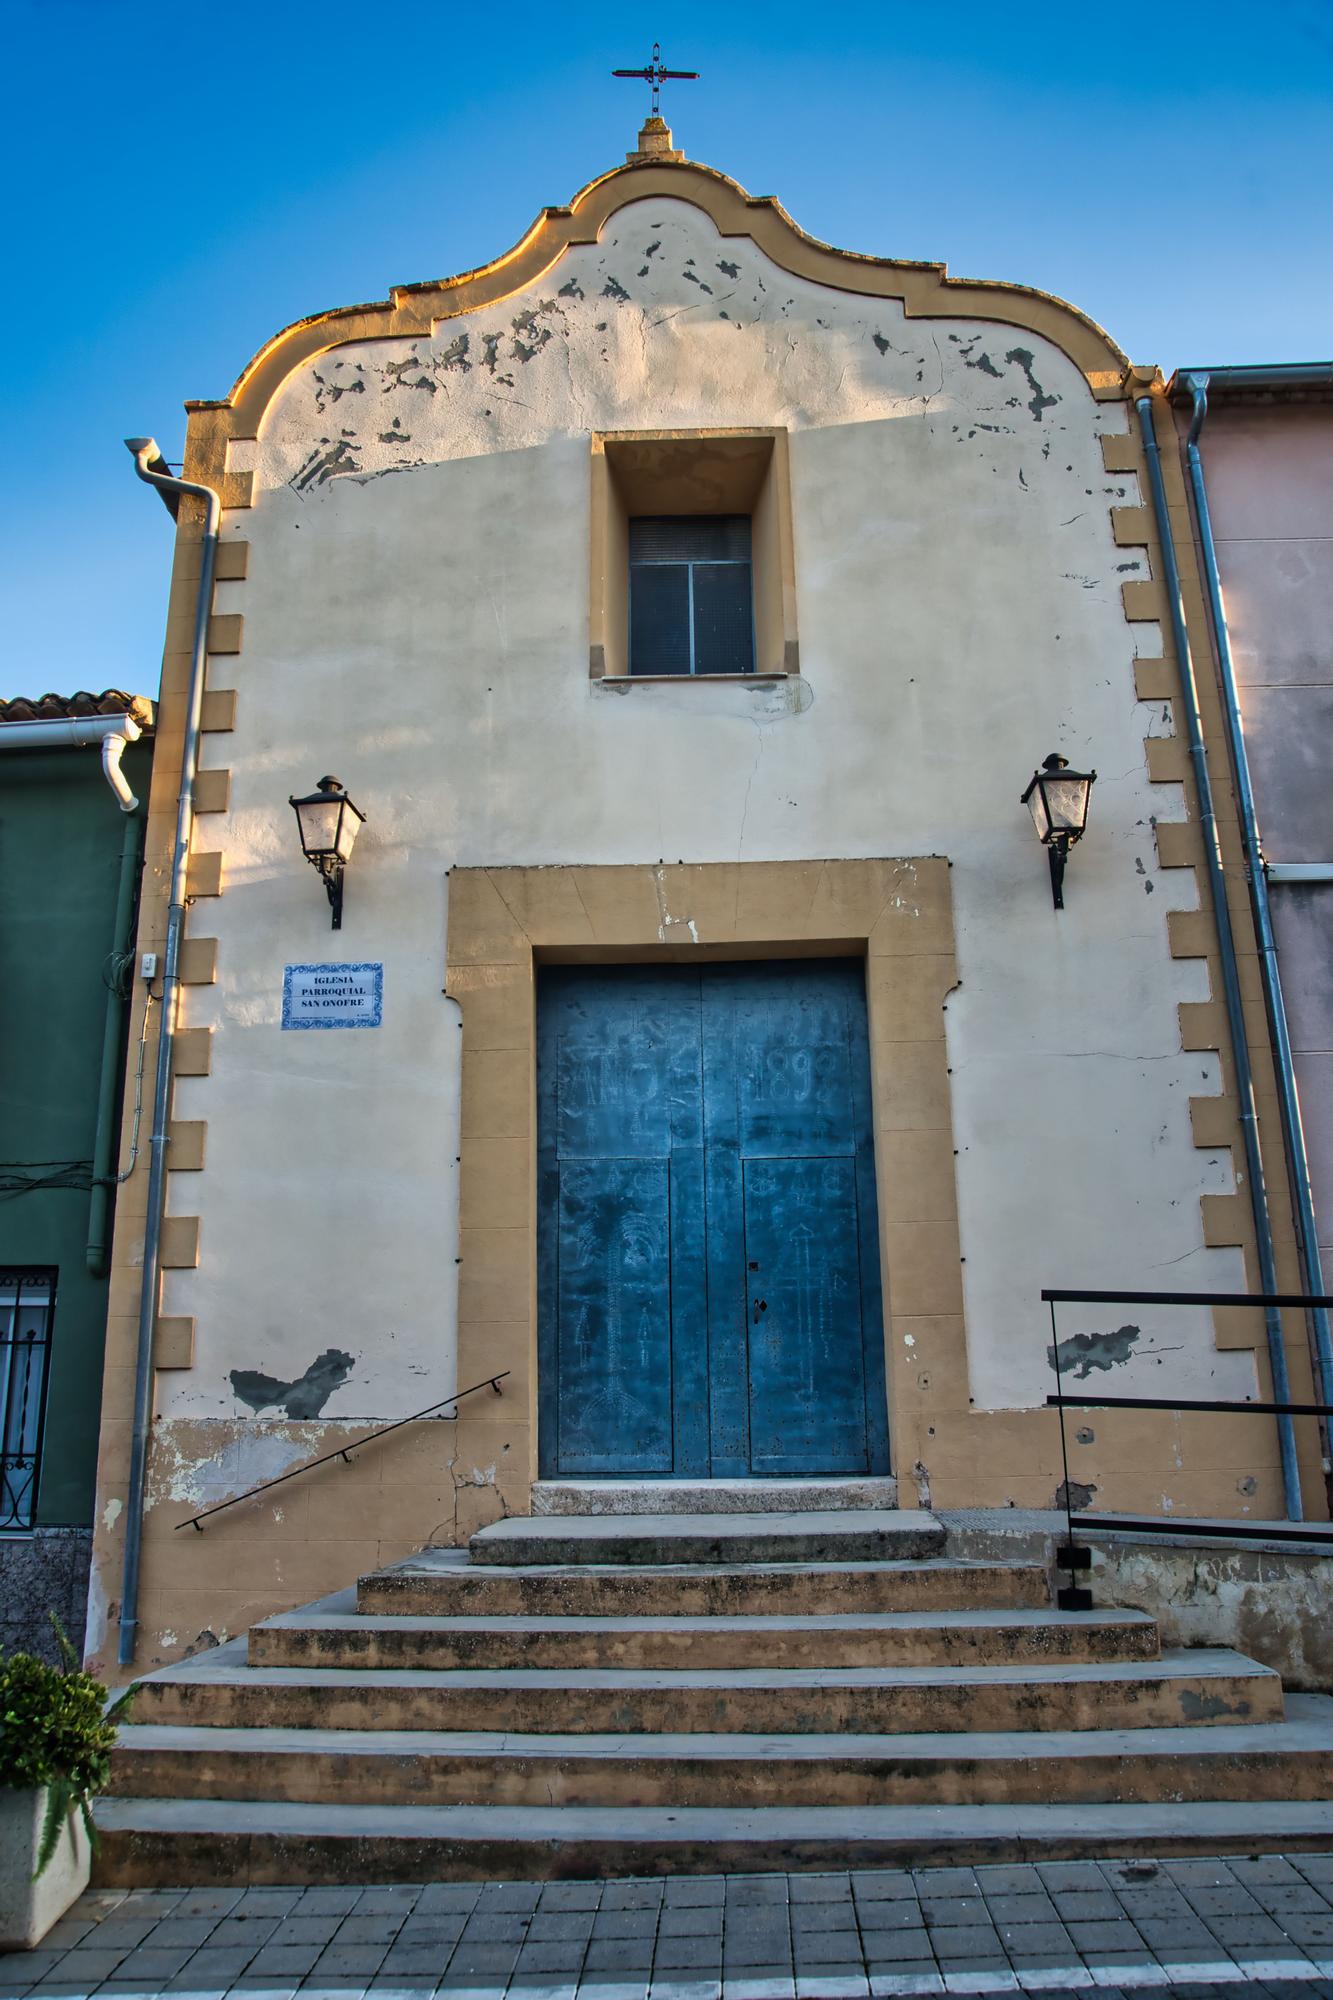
<point>1186,1403</point>
<point>1053,1295</point>
<point>1193,1529</point>
<point>1070,1557</point>
<point>196,1521</point>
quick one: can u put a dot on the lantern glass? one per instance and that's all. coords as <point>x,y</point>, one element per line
<point>1036,804</point>
<point>318,818</point>
<point>329,823</point>
<point>1065,794</point>
<point>349,824</point>
<point>1057,798</point>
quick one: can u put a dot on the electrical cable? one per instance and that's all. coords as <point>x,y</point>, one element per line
<point>114,1180</point>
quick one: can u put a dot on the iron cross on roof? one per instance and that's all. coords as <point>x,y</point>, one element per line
<point>657,76</point>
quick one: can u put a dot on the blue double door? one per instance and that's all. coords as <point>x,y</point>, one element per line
<point>708,1265</point>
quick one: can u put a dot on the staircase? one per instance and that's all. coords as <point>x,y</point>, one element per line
<point>594,1695</point>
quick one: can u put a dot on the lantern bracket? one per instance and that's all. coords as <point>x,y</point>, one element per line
<point>331,872</point>
<point>1058,853</point>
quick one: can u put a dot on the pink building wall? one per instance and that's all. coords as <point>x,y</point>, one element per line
<point>1269,472</point>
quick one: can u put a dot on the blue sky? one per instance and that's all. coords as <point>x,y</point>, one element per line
<point>186,180</point>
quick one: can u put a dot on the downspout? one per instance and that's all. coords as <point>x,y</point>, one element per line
<point>1293,1133</point>
<point>1240,1047</point>
<point>108,1086</point>
<point>151,468</point>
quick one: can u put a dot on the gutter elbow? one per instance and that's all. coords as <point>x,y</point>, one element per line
<point>113,749</point>
<point>1196,387</point>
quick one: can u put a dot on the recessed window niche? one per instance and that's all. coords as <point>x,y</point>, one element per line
<point>657,475</point>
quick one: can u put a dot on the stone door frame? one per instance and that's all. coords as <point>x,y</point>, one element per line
<point>505,922</point>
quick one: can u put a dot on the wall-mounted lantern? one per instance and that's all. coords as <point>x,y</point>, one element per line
<point>329,824</point>
<point>1057,798</point>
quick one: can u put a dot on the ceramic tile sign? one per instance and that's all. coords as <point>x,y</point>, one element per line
<point>332,996</point>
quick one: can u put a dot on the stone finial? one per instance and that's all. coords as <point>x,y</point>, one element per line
<point>654,142</point>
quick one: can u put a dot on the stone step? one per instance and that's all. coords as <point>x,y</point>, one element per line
<point>710,1496</point>
<point>196,1842</point>
<point>861,1535</point>
<point>218,1688</point>
<point>899,1639</point>
<point>1290,1760</point>
<point>442,1582</point>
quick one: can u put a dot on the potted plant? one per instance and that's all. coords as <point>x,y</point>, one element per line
<point>56,1733</point>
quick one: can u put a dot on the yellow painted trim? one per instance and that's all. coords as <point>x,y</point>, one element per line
<point>203,875</point>
<point>192,1052</point>
<point>233,561</point>
<point>180,1243</point>
<point>504,922</point>
<point>219,709</point>
<point>173,1342</point>
<point>226,630</point>
<point>1131,526</point>
<point>185,1154</point>
<point>199,961</point>
<point>212,791</point>
<point>1155,680</point>
<point>1120,452</point>
<point>1144,600</point>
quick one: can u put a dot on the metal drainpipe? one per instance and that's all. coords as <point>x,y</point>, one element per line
<point>1298,1161</point>
<point>147,460</point>
<point>1240,1047</point>
<point>108,1087</point>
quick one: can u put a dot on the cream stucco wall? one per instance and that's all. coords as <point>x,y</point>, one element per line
<point>416,621</point>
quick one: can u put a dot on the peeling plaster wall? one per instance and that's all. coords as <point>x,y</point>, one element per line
<point>293,1543</point>
<point>1266,1600</point>
<point>416,620</point>
<point>1271,1604</point>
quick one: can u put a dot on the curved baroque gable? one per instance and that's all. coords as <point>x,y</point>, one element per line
<point>925,290</point>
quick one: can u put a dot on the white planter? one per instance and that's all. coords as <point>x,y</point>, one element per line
<point>27,1908</point>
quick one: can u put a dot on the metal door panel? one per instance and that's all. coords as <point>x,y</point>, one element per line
<point>807,1365</point>
<point>705,1141</point>
<point>613,1311</point>
<point>728,1367</point>
<point>622,1328</point>
<point>793,1060</point>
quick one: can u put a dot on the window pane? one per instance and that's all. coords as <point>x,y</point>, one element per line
<point>659,618</point>
<point>25,1312</point>
<point>723,619</point>
<point>690,538</point>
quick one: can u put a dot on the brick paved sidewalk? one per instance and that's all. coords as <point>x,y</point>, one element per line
<point>1197,1926</point>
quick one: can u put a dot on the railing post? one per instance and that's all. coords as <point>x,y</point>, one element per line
<point>1070,1596</point>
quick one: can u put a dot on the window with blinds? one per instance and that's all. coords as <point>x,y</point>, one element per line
<point>691,607</point>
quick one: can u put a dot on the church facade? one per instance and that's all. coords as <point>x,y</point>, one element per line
<point>701,1075</point>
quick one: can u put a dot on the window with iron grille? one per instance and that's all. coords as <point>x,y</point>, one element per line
<point>26,1302</point>
<point>691,604</point>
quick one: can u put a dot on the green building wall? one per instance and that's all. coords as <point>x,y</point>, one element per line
<point>61,837</point>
